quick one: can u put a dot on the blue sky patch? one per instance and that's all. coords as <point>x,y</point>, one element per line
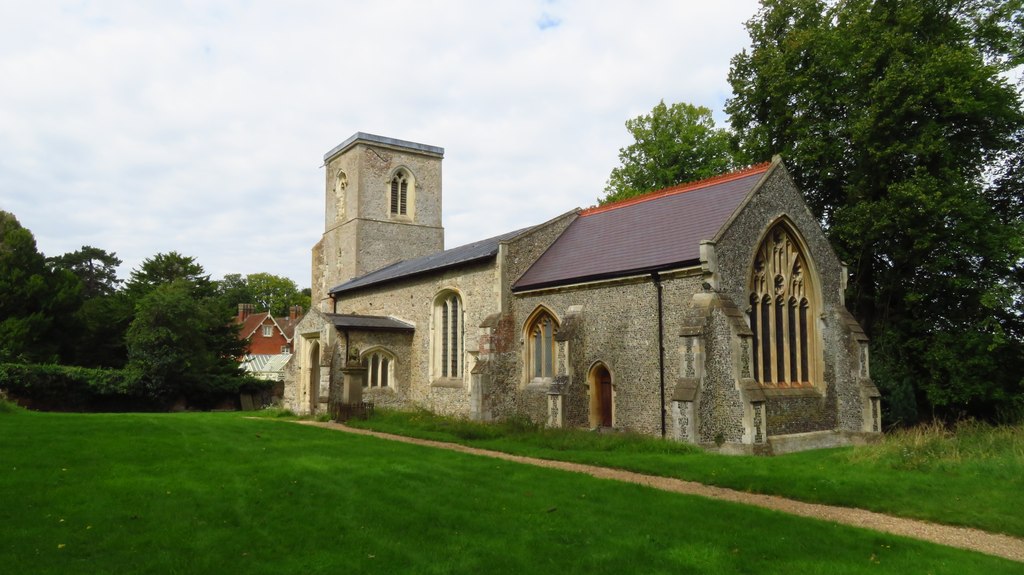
<point>548,21</point>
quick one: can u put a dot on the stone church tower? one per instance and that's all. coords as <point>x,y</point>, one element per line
<point>383,205</point>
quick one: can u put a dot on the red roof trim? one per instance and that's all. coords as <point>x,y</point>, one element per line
<point>679,189</point>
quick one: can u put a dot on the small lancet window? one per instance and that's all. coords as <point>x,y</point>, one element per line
<point>781,312</point>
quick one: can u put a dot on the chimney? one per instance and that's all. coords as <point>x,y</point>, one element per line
<point>294,312</point>
<point>244,310</point>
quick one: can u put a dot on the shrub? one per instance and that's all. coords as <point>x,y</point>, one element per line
<point>6,405</point>
<point>58,387</point>
<point>64,387</point>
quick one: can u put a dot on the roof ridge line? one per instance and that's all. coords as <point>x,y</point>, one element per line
<point>678,189</point>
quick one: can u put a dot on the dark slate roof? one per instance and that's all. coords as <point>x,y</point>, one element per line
<point>368,322</point>
<point>475,251</point>
<point>656,231</point>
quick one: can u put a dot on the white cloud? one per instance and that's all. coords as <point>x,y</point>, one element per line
<point>147,127</point>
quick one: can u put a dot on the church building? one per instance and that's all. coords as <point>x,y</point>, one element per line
<point>711,312</point>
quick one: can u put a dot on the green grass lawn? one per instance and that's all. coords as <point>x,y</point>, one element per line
<point>220,493</point>
<point>973,476</point>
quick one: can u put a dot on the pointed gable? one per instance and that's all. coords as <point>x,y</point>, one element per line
<point>251,323</point>
<point>656,231</point>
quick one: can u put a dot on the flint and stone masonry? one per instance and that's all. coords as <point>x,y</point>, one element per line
<point>710,313</point>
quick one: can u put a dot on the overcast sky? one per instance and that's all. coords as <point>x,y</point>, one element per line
<point>200,127</point>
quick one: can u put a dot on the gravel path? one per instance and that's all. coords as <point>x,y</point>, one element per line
<point>962,537</point>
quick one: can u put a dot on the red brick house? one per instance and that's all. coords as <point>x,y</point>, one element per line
<point>267,335</point>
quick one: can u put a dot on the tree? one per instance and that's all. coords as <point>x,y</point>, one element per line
<point>232,290</point>
<point>167,268</point>
<point>275,293</point>
<point>267,292</point>
<point>183,346</point>
<point>673,144</point>
<point>36,302</point>
<point>894,117</point>
<point>104,314</point>
<point>103,323</point>
<point>95,268</point>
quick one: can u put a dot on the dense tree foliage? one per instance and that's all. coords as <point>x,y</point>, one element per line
<point>897,122</point>
<point>104,313</point>
<point>95,268</point>
<point>183,346</point>
<point>36,302</point>
<point>267,292</point>
<point>672,145</point>
<point>167,268</point>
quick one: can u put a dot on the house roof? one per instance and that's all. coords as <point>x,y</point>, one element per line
<point>252,322</point>
<point>368,322</point>
<point>475,251</point>
<point>656,231</point>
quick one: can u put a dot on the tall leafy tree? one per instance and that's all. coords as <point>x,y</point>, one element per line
<point>95,268</point>
<point>896,120</point>
<point>233,289</point>
<point>102,320</point>
<point>36,302</point>
<point>167,268</point>
<point>275,293</point>
<point>183,346</point>
<point>672,145</point>
<point>267,292</point>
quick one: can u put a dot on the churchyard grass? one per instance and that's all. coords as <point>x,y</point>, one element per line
<point>972,475</point>
<point>222,493</point>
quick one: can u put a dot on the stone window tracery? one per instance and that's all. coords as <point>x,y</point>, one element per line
<point>781,312</point>
<point>380,369</point>
<point>540,349</point>
<point>449,336</point>
<point>400,184</point>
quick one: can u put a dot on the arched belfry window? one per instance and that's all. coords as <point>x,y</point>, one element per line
<point>782,312</point>
<point>400,184</point>
<point>448,342</point>
<point>540,348</point>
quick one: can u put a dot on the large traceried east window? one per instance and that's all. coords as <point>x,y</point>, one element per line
<point>400,193</point>
<point>782,312</point>
<point>449,338</point>
<point>540,348</point>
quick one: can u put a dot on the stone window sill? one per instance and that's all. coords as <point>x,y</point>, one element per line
<point>539,384</point>
<point>809,391</point>
<point>448,382</point>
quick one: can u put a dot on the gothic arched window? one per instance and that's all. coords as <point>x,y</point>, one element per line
<point>782,312</point>
<point>448,335</point>
<point>380,369</point>
<point>400,193</point>
<point>540,348</point>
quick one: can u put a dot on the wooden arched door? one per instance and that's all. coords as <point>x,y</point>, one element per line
<point>601,397</point>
